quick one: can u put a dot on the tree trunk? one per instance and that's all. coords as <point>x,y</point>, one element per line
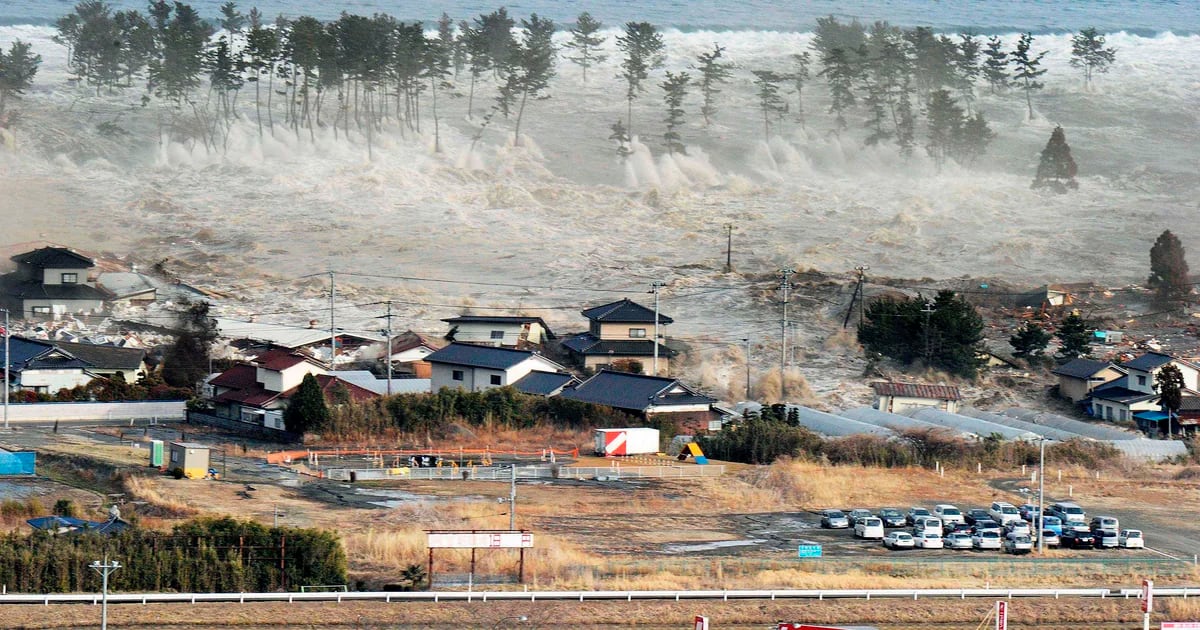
<point>520,114</point>
<point>270,98</point>
<point>437,135</point>
<point>1029,98</point>
<point>471,99</point>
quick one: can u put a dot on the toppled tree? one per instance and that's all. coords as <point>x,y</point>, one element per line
<point>1089,54</point>
<point>944,334</point>
<point>1168,270</point>
<point>674,91</point>
<point>1056,169</point>
<point>712,73</point>
<point>643,47</point>
<point>17,69</point>
<point>306,411</point>
<point>1029,341</point>
<point>586,43</point>
<point>1074,337</point>
<point>186,362</point>
<point>1027,67</point>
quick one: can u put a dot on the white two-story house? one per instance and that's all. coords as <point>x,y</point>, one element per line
<point>476,368</point>
<point>1134,392</point>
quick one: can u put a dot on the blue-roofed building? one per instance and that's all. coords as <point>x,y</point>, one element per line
<point>72,525</point>
<point>476,368</point>
<point>649,397</point>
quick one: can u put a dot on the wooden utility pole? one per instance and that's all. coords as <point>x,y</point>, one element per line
<point>728,247</point>
<point>784,285</point>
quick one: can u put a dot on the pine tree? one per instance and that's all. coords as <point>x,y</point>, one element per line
<point>974,137</point>
<point>674,91</point>
<point>18,67</point>
<point>306,410</point>
<point>1074,337</point>
<point>1056,169</point>
<point>643,47</point>
<point>840,73</point>
<point>1029,341</point>
<point>533,65</point>
<point>1169,384</point>
<point>475,45</point>
<point>799,77</point>
<point>262,50</point>
<point>181,40</point>
<point>712,73</point>
<point>968,68</point>
<point>944,123</point>
<point>944,333</point>
<point>770,103</point>
<point>1089,54</point>
<point>231,20</point>
<point>995,64</point>
<point>186,362</point>
<point>1168,270</point>
<point>586,43</point>
<point>621,135</point>
<point>439,56</point>
<point>1027,67</point>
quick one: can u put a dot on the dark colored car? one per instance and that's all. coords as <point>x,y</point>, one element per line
<point>976,514</point>
<point>952,528</point>
<point>892,517</point>
<point>1075,539</point>
<point>985,524</point>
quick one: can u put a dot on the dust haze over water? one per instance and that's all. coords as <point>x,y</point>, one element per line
<point>564,211</point>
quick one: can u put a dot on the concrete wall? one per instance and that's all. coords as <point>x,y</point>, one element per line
<point>53,275</point>
<point>43,412</point>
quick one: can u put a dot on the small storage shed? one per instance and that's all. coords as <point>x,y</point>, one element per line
<point>191,457</point>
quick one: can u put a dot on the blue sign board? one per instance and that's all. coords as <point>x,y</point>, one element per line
<point>810,551</point>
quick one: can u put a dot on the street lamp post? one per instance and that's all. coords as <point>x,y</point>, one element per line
<point>7,363</point>
<point>104,569</point>
<point>1041,495</point>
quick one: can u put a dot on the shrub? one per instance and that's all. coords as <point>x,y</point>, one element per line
<point>177,473</point>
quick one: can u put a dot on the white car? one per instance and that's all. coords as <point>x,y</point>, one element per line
<point>987,539</point>
<point>1131,539</point>
<point>1018,544</point>
<point>870,527</point>
<point>1003,512</point>
<point>927,523</point>
<point>1020,528</point>
<point>958,540</point>
<point>948,513</point>
<point>899,540</point>
<point>929,538</point>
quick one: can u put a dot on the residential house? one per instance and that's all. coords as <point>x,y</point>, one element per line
<point>409,351</point>
<point>1078,377</point>
<point>499,330</point>
<point>476,368</point>
<point>48,366</point>
<point>258,392</point>
<point>50,282</point>
<point>1134,392</point>
<point>649,398</point>
<point>250,339</point>
<point>900,397</point>
<point>545,383</point>
<point>620,335</point>
<point>128,287</point>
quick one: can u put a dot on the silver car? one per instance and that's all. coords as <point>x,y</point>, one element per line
<point>834,519</point>
<point>959,540</point>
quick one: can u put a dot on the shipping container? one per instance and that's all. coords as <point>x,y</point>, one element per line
<point>631,441</point>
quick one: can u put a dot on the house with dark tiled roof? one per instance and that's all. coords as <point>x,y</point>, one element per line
<point>620,335</point>
<point>545,383</point>
<point>409,351</point>
<point>895,397</point>
<point>49,366</point>
<point>476,368</point>
<point>1078,377</point>
<point>649,397</point>
<point>504,331</point>
<point>52,281</point>
<point>1133,393</point>
<point>257,392</point>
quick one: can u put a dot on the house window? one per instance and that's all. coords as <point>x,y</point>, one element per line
<point>457,375</point>
<point>495,379</point>
<point>497,334</point>
<point>70,278</point>
<point>1142,381</point>
<point>41,310</point>
<point>637,333</point>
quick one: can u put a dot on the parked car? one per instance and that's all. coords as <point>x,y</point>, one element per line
<point>1018,527</point>
<point>1052,523</point>
<point>929,539</point>
<point>956,528</point>
<point>1028,511</point>
<point>914,513</point>
<point>986,525</point>
<point>987,539</point>
<point>892,517</point>
<point>1106,538</point>
<point>1051,538</point>
<point>1002,512</point>
<point>958,540</point>
<point>1104,522</point>
<point>948,513</point>
<point>870,527</point>
<point>1131,539</point>
<point>932,523</point>
<point>858,514</point>
<point>1018,544</point>
<point>976,514</point>
<point>1070,513</point>
<point>834,519</point>
<point>899,540</point>
<point>1075,539</point>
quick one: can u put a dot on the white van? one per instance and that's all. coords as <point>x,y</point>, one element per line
<point>927,523</point>
<point>949,514</point>
<point>870,528</point>
<point>1105,522</point>
<point>1071,514</point>
<point>1004,512</point>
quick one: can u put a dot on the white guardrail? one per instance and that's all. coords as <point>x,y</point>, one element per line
<point>533,596</point>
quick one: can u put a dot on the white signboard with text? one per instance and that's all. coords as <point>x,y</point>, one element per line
<point>480,540</point>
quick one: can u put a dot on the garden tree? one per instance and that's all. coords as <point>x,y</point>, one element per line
<point>1074,337</point>
<point>533,64</point>
<point>1029,341</point>
<point>712,73</point>
<point>995,64</point>
<point>586,42</point>
<point>968,68</point>
<point>180,38</point>
<point>1168,270</point>
<point>759,439</point>
<point>1027,67</point>
<point>643,47</point>
<point>1056,168</point>
<point>621,135</point>
<point>799,77</point>
<point>674,91</point>
<point>770,103</point>
<point>262,50</point>
<point>186,362</point>
<point>18,67</point>
<point>1089,54</point>
<point>1169,384</point>
<point>840,72</point>
<point>945,333</point>
<point>306,410</point>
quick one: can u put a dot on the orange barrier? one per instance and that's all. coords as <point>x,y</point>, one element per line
<point>285,457</point>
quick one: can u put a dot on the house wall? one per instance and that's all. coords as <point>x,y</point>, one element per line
<point>1116,412</point>
<point>617,330</point>
<point>595,362</point>
<point>53,275</point>
<point>479,379</point>
<point>281,381</point>
<point>441,375</point>
<point>58,307</point>
<point>1076,389</point>
<point>900,404</point>
<point>40,412</point>
<point>481,333</point>
<point>50,381</point>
